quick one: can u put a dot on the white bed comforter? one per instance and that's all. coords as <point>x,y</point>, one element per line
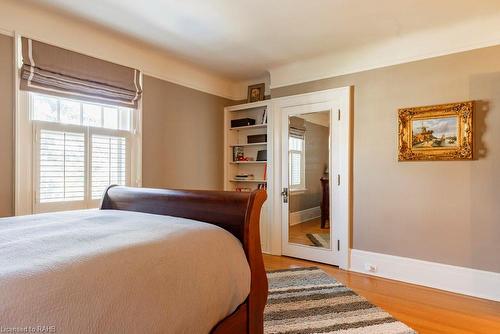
<point>112,271</point>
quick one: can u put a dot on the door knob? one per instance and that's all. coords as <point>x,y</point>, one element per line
<point>284,193</point>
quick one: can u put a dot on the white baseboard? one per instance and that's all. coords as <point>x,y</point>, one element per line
<point>467,281</point>
<point>304,215</point>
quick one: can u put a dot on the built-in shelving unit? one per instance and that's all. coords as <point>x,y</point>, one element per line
<point>236,140</point>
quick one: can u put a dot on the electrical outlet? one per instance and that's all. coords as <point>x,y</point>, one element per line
<point>370,267</point>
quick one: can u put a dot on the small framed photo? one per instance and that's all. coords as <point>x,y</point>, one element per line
<point>439,132</point>
<point>256,92</point>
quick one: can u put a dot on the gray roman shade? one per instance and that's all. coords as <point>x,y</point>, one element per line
<point>52,70</point>
<point>297,133</point>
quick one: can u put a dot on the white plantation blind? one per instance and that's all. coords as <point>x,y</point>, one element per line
<point>295,168</point>
<point>109,163</point>
<point>296,161</point>
<point>62,166</point>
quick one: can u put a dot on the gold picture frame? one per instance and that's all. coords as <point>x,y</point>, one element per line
<point>439,132</point>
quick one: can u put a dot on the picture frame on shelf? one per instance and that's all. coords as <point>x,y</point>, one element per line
<point>238,153</point>
<point>256,92</point>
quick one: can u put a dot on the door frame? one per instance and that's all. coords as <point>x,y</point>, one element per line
<point>341,150</point>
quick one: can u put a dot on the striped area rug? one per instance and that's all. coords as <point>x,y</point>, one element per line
<point>307,301</point>
<point>319,239</point>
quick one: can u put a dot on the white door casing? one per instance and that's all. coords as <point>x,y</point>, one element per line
<point>337,101</point>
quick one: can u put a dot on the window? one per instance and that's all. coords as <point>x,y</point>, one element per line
<point>296,157</point>
<point>79,149</point>
<point>64,111</point>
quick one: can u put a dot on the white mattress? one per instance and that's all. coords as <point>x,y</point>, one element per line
<point>109,271</point>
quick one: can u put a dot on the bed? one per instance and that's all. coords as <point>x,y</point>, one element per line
<point>149,260</point>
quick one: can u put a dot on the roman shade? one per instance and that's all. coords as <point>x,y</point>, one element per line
<point>52,70</point>
<point>297,133</point>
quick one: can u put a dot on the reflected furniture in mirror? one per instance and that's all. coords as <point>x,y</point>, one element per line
<point>325,201</point>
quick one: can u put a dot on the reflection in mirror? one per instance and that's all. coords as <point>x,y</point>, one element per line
<point>308,166</point>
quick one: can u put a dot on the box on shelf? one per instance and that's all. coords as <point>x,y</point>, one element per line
<point>252,139</point>
<point>236,123</point>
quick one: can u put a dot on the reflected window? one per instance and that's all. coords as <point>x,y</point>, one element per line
<point>296,151</point>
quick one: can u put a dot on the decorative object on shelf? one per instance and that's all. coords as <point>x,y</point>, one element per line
<point>262,155</point>
<point>236,123</point>
<point>242,158</point>
<point>256,92</point>
<point>264,117</point>
<point>439,132</point>
<point>243,189</point>
<point>252,139</point>
<point>238,153</point>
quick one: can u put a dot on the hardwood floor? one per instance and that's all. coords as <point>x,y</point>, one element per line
<point>298,232</point>
<point>424,309</point>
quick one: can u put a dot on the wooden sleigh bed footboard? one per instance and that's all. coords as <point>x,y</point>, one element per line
<point>236,212</point>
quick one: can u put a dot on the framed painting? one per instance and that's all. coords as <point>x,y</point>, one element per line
<point>256,92</point>
<point>439,132</point>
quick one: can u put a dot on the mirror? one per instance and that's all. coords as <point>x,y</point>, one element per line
<point>308,186</point>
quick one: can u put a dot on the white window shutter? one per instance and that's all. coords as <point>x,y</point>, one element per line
<point>109,163</point>
<point>62,166</point>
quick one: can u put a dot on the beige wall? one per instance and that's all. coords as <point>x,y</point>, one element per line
<point>447,212</point>
<point>6,126</point>
<point>182,137</point>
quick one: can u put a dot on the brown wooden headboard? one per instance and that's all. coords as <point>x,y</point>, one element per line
<point>236,212</point>
<point>222,208</point>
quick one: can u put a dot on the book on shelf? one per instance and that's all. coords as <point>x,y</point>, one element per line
<point>264,117</point>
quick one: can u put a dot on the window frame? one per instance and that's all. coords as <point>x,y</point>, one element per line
<point>26,167</point>
<point>88,132</point>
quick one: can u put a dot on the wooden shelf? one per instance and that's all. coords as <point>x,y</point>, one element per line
<point>248,181</point>
<point>247,162</point>
<point>253,144</point>
<point>248,127</point>
<point>246,106</point>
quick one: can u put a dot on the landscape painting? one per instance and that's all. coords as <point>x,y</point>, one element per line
<point>437,132</point>
<point>433,133</point>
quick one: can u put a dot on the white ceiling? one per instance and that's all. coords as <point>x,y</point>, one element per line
<point>242,39</point>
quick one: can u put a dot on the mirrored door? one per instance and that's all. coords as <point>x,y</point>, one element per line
<point>306,164</point>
